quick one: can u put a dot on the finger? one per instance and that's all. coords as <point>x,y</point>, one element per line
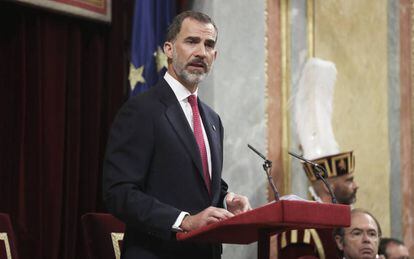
<point>246,205</point>
<point>221,213</point>
<point>211,220</point>
<point>241,205</point>
<point>229,197</point>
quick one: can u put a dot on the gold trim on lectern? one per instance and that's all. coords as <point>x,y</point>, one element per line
<point>116,237</point>
<point>3,237</point>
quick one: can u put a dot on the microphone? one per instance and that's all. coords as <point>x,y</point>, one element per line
<point>307,161</point>
<point>318,175</point>
<point>267,166</point>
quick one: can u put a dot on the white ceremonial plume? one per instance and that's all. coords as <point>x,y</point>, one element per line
<point>313,109</point>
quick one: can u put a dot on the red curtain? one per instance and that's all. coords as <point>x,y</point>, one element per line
<point>62,80</point>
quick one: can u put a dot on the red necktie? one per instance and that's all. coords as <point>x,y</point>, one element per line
<point>198,134</point>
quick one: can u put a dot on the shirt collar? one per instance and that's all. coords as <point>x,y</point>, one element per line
<point>179,90</point>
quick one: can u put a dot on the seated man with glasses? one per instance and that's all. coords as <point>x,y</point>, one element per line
<point>361,239</point>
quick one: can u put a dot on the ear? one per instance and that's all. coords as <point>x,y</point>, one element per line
<point>325,188</point>
<point>331,183</point>
<point>339,242</point>
<point>168,49</point>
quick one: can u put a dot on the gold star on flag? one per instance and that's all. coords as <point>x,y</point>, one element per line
<point>160,59</point>
<point>135,75</point>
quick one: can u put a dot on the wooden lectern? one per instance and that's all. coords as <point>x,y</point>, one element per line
<point>276,217</point>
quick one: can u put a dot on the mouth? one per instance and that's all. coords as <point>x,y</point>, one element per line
<point>367,251</point>
<point>197,65</point>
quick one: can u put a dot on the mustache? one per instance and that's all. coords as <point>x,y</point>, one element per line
<point>354,193</point>
<point>198,61</point>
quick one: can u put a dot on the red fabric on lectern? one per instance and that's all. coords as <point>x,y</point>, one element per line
<point>97,228</point>
<point>275,217</point>
<point>7,229</point>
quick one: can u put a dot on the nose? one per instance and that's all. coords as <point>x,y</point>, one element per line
<point>369,237</point>
<point>366,238</point>
<point>200,51</point>
<point>355,186</point>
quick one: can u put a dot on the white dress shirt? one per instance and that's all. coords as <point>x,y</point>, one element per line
<point>182,94</point>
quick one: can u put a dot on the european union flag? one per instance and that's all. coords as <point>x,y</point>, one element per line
<point>148,61</point>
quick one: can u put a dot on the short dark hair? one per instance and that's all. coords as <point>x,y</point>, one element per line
<point>382,250</point>
<point>341,231</point>
<point>176,23</point>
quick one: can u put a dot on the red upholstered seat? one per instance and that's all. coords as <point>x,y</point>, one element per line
<point>103,234</point>
<point>7,240</point>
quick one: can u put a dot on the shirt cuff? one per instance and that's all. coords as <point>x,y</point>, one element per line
<point>178,221</point>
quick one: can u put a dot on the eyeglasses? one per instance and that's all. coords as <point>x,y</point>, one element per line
<point>359,233</point>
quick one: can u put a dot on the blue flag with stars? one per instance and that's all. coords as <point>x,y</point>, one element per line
<point>148,61</point>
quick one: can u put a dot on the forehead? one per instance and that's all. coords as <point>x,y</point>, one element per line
<point>193,28</point>
<point>362,221</point>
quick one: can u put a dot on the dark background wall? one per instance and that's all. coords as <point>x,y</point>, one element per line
<point>62,80</point>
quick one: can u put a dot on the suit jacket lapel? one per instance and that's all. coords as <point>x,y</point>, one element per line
<point>179,123</point>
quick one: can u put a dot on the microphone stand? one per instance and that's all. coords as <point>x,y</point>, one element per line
<point>267,166</point>
<point>318,175</point>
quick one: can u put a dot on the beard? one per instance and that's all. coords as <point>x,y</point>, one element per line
<point>191,77</point>
<point>346,198</point>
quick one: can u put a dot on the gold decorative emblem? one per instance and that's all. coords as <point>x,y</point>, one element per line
<point>135,75</point>
<point>342,165</point>
<point>160,59</point>
<point>3,237</point>
<point>116,237</point>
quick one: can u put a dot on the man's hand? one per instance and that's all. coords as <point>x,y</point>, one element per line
<point>205,217</point>
<point>236,203</point>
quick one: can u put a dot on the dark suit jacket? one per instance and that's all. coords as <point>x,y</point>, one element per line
<point>153,171</point>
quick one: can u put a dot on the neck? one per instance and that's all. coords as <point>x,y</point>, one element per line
<point>326,198</point>
<point>319,195</point>
<point>192,87</point>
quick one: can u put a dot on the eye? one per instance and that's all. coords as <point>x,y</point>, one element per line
<point>356,233</point>
<point>192,40</point>
<point>210,44</point>
<point>372,234</point>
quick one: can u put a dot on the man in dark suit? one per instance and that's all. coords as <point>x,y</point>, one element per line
<point>162,170</point>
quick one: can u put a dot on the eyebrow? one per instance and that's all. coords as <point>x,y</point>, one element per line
<point>194,38</point>
<point>360,229</point>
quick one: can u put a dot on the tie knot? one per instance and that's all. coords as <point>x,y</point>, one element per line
<point>192,99</point>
